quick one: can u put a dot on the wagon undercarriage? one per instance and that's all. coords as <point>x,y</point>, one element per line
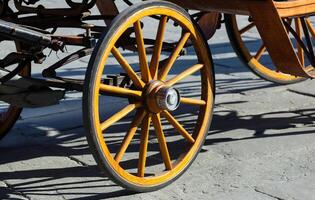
<point>29,25</point>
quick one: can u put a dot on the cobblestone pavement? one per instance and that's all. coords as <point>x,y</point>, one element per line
<point>260,146</point>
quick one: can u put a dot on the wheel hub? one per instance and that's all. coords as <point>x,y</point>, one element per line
<point>159,97</point>
<point>168,98</point>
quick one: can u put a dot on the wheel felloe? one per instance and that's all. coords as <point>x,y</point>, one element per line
<point>157,145</point>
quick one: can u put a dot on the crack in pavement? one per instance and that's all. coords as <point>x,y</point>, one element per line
<point>301,93</point>
<point>78,161</point>
<point>267,194</point>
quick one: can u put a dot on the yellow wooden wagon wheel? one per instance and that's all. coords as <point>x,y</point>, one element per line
<point>154,136</point>
<point>9,114</point>
<point>256,57</point>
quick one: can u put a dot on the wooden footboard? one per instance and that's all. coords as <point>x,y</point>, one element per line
<point>295,7</point>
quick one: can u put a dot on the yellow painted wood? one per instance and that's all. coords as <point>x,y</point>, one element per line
<point>145,129</point>
<point>265,71</point>
<point>125,65</point>
<point>184,74</point>
<point>130,135</point>
<point>310,27</point>
<point>145,71</point>
<point>273,31</point>
<point>178,126</point>
<point>191,101</point>
<point>294,7</point>
<point>256,65</point>
<point>171,60</point>
<point>154,65</point>
<point>162,141</point>
<point>118,116</point>
<point>120,91</point>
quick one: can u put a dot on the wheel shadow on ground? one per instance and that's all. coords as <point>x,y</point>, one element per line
<point>43,182</point>
<point>46,186</point>
<point>86,179</point>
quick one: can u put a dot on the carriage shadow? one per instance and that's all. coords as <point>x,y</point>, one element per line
<point>84,180</point>
<point>44,182</point>
<point>87,178</point>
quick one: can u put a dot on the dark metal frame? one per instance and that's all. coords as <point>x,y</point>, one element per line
<point>30,25</point>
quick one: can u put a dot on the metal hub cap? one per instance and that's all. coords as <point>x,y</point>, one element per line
<point>168,98</point>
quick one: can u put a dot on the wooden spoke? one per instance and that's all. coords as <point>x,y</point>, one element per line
<point>125,65</point>
<point>145,129</point>
<point>310,27</point>
<point>156,119</point>
<point>154,65</point>
<point>171,60</point>
<point>146,75</point>
<point>119,115</point>
<point>247,28</point>
<point>299,31</point>
<point>131,133</point>
<point>120,91</point>
<point>190,101</point>
<point>178,126</point>
<point>184,74</point>
<point>260,52</point>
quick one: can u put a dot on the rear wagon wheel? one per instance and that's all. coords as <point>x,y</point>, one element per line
<point>253,59</point>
